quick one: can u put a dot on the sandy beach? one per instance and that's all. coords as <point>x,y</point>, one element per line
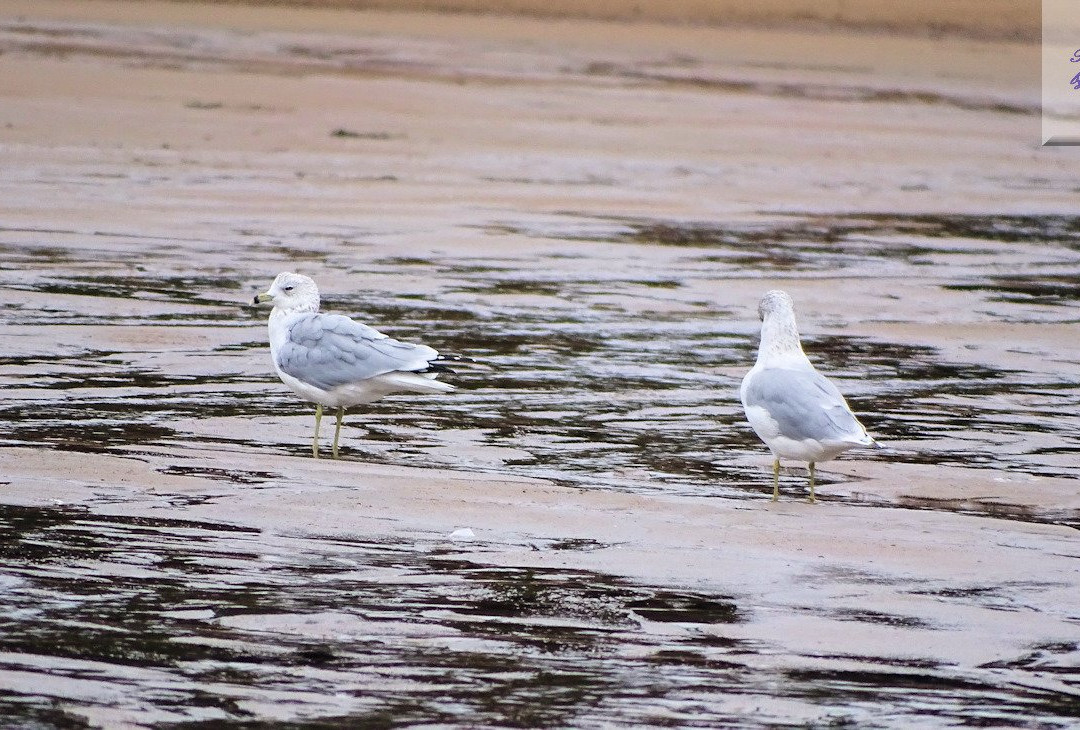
<point>1016,20</point>
<point>582,536</point>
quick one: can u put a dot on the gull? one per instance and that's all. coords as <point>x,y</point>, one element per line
<point>792,407</point>
<point>336,362</point>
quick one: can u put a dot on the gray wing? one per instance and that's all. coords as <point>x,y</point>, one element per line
<point>804,404</point>
<point>330,350</point>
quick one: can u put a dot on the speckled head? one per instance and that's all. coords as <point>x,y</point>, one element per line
<point>775,302</point>
<point>292,293</point>
<point>779,333</point>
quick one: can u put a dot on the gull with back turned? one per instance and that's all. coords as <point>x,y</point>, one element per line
<point>792,407</point>
<point>336,362</point>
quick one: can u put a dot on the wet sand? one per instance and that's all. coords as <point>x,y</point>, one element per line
<point>992,19</point>
<point>594,209</point>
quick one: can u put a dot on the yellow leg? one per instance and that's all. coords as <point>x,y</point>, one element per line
<point>775,480</point>
<point>318,420</point>
<point>812,497</point>
<point>337,431</point>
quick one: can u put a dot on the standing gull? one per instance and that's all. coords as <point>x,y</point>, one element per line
<point>336,362</point>
<point>792,407</point>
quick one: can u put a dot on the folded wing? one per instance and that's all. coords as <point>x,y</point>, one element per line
<point>804,404</point>
<point>331,350</point>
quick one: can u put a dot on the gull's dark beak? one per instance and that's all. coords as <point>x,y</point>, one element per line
<point>260,298</point>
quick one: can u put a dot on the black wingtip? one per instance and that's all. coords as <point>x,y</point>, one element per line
<point>452,363</point>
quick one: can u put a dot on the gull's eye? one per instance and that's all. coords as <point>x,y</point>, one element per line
<point>287,288</point>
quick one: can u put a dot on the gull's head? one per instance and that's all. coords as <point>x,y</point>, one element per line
<point>779,334</point>
<point>291,293</point>
<point>775,303</point>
